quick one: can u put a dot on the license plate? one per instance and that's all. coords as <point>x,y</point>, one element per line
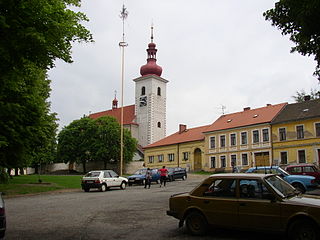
<point>131,180</point>
<point>90,181</point>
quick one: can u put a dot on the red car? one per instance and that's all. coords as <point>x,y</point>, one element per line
<point>304,169</point>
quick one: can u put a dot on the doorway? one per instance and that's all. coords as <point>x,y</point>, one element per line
<point>197,160</point>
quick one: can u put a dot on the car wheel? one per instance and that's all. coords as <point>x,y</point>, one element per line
<point>303,229</point>
<point>103,188</point>
<point>123,185</point>
<point>299,187</point>
<point>143,181</point>
<point>183,177</point>
<point>86,189</point>
<point>196,223</point>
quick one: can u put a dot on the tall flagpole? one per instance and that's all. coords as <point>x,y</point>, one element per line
<point>122,44</point>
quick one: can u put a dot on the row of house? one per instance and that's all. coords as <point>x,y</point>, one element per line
<point>278,134</point>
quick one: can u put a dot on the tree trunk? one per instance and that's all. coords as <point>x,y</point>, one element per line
<point>9,172</point>
<point>105,164</point>
<point>21,171</point>
<point>16,171</point>
<point>84,166</point>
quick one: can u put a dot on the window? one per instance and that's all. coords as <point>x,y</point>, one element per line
<point>302,156</point>
<point>317,129</point>
<point>185,156</point>
<point>222,141</point>
<point>143,91</point>
<point>300,133</point>
<point>283,158</point>
<point>159,124</point>
<point>212,142</point>
<point>309,169</point>
<point>282,134</point>
<point>233,160</point>
<point>233,139</point>
<point>255,134</point>
<point>223,161</point>
<point>212,162</point>
<point>244,138</point>
<point>151,159</point>
<point>160,158</point>
<point>171,157</point>
<point>253,189</point>
<point>159,91</point>
<point>265,135</point>
<point>244,157</point>
<point>221,188</point>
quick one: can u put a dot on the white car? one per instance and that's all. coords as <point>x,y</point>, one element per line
<point>102,180</point>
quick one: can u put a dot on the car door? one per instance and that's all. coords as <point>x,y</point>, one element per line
<point>116,181</point>
<point>256,210</point>
<point>108,179</point>
<point>219,203</point>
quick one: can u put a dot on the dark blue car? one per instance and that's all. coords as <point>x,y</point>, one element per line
<point>139,177</point>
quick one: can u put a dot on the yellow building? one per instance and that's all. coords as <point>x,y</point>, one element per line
<point>184,148</point>
<point>240,139</point>
<point>296,133</point>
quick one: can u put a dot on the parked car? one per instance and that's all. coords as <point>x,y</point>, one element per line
<point>177,173</point>
<point>102,180</point>
<point>2,217</point>
<point>304,169</point>
<point>139,177</point>
<point>301,183</point>
<point>249,202</point>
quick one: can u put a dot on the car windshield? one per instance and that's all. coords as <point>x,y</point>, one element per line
<point>283,188</point>
<point>141,172</point>
<point>92,174</point>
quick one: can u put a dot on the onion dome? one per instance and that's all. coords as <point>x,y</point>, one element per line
<point>151,67</point>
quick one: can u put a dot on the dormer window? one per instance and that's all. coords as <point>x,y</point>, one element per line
<point>143,91</point>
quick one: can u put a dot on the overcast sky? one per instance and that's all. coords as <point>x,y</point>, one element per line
<point>214,53</point>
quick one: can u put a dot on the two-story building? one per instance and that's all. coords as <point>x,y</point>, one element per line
<point>184,148</point>
<point>296,133</point>
<point>240,139</point>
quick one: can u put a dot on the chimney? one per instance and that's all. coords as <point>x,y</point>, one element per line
<point>268,104</point>
<point>307,98</point>
<point>182,128</point>
<point>246,108</point>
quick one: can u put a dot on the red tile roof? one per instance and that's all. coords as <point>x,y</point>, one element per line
<point>247,117</point>
<point>128,114</point>
<point>189,135</point>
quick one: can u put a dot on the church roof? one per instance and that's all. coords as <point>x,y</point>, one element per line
<point>247,117</point>
<point>188,135</point>
<point>128,114</point>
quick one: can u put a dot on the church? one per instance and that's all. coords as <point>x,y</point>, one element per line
<point>146,118</point>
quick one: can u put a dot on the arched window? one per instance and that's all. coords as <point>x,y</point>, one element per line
<point>143,91</point>
<point>159,91</point>
<point>159,124</point>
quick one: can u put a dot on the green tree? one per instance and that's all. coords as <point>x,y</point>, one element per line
<point>76,142</point>
<point>33,34</point>
<point>300,96</point>
<point>94,140</point>
<point>299,19</point>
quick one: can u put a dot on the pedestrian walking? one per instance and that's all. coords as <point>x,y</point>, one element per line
<point>148,177</point>
<point>163,175</point>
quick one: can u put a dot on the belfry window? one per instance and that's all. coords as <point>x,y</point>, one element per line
<point>159,124</point>
<point>143,91</point>
<point>159,91</point>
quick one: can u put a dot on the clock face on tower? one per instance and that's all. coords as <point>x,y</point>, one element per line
<point>143,101</point>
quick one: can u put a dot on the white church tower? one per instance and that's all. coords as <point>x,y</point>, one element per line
<point>150,99</point>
